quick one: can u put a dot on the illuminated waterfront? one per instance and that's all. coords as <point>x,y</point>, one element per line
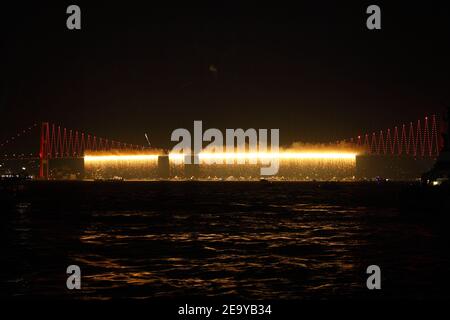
<point>292,165</point>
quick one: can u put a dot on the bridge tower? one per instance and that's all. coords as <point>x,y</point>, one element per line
<point>43,151</point>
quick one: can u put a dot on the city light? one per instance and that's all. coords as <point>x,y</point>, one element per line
<point>270,155</point>
<point>296,165</point>
<point>228,155</point>
<point>123,157</point>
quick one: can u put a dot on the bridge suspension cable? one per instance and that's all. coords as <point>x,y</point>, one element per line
<point>19,134</point>
<point>419,140</point>
<point>57,142</point>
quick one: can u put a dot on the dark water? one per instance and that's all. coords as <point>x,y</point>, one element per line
<point>234,239</point>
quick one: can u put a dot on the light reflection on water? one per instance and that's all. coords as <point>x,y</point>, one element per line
<point>211,239</point>
<point>227,252</point>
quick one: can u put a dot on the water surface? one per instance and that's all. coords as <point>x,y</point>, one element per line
<point>218,239</point>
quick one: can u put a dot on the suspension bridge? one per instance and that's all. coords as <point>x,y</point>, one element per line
<point>418,139</point>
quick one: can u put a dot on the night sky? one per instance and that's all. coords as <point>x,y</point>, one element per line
<point>314,71</point>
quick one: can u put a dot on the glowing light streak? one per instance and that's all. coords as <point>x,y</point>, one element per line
<point>269,155</point>
<point>229,155</point>
<point>125,157</point>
